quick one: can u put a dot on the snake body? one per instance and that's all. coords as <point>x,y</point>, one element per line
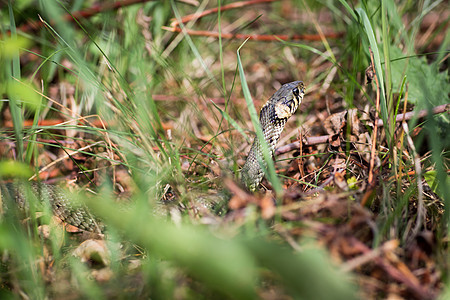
<point>273,117</point>
<point>63,206</point>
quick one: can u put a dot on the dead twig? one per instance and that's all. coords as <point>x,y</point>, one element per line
<point>309,141</point>
<point>371,180</point>
<point>421,114</point>
<point>369,256</point>
<point>255,37</point>
<point>418,169</point>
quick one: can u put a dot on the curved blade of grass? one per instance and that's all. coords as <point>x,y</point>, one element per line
<point>376,56</point>
<point>31,148</point>
<point>304,274</point>
<point>349,9</point>
<point>387,66</point>
<point>221,264</point>
<point>16,112</point>
<point>270,172</point>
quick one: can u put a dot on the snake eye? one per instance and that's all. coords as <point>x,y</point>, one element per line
<point>291,104</point>
<point>296,92</point>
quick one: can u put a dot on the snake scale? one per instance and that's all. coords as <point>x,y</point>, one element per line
<point>273,117</point>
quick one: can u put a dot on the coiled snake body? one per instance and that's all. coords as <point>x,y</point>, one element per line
<point>273,116</point>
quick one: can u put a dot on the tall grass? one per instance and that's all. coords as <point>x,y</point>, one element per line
<point>390,41</point>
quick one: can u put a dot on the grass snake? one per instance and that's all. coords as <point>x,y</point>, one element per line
<point>273,117</point>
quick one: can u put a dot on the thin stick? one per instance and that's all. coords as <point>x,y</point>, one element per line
<point>421,114</point>
<point>256,37</point>
<point>418,169</point>
<point>375,129</point>
<point>369,256</point>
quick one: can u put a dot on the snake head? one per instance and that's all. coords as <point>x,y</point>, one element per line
<point>287,99</point>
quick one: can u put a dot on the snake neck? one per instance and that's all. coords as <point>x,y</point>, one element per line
<point>252,172</point>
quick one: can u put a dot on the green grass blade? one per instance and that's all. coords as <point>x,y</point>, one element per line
<point>220,264</point>
<point>379,71</point>
<point>16,112</point>
<point>270,172</point>
<point>349,9</point>
<point>387,60</point>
